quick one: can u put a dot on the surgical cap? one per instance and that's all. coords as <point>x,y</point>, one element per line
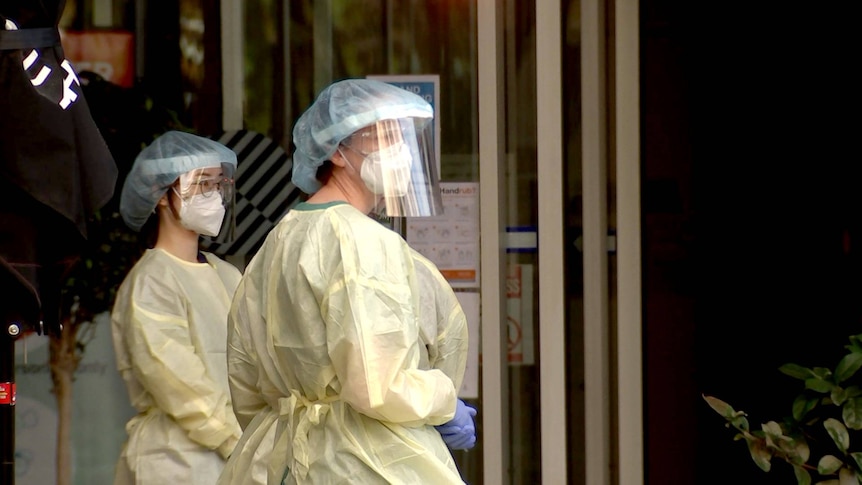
<point>160,164</point>
<point>339,111</point>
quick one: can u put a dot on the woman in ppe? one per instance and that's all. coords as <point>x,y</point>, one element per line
<point>169,320</point>
<point>339,372</point>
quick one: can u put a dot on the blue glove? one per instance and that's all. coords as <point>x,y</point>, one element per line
<point>460,433</point>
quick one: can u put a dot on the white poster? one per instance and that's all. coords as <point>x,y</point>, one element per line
<point>451,240</point>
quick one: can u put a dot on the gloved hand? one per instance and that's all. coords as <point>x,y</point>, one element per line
<point>460,432</point>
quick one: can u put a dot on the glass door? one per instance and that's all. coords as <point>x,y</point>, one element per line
<point>530,153</point>
<point>508,129</point>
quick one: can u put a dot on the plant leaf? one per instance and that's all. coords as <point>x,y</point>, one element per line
<point>739,422</point>
<point>796,449</point>
<point>848,366</point>
<point>822,372</point>
<point>854,391</point>
<point>796,371</point>
<point>857,457</point>
<point>847,476</point>
<point>772,430</point>
<point>828,465</point>
<point>721,407</point>
<point>798,407</point>
<point>802,475</point>
<point>760,454</point>
<point>855,343</point>
<point>802,405</point>
<point>852,413</point>
<point>838,432</point>
<point>838,395</point>
<point>818,384</point>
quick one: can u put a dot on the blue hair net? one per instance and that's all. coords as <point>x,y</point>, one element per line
<point>340,110</point>
<point>160,164</point>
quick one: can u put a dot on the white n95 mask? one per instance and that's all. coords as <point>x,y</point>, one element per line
<point>202,214</point>
<point>387,171</point>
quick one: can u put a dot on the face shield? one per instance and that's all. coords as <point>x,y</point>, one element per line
<point>207,200</point>
<point>399,166</point>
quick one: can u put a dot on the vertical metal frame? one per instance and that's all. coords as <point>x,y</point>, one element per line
<point>629,349</point>
<point>232,64</point>
<point>552,297</point>
<point>594,127</point>
<point>495,394</point>
<point>323,45</point>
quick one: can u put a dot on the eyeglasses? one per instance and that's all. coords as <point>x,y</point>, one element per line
<point>208,186</point>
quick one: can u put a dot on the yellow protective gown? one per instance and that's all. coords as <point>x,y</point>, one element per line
<point>169,326</point>
<point>338,368</point>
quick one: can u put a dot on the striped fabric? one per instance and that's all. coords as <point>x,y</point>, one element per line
<point>264,192</point>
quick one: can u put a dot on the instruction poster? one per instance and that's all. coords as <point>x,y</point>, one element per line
<point>451,240</point>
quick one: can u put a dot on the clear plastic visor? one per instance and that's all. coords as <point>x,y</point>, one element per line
<point>212,182</point>
<point>399,165</point>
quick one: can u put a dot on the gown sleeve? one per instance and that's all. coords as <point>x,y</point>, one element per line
<point>165,363</point>
<point>369,298</point>
<point>243,378</point>
<point>446,331</point>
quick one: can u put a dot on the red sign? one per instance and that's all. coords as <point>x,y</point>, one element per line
<point>7,393</point>
<point>110,54</point>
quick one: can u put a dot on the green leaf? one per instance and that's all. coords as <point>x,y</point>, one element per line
<point>847,476</point>
<point>760,454</point>
<point>802,475</point>
<point>848,366</point>
<point>772,430</point>
<point>838,395</point>
<point>796,371</point>
<point>739,422</point>
<point>799,405</point>
<point>852,413</point>
<point>818,385</point>
<point>802,405</point>
<point>854,391</point>
<point>855,343</point>
<point>828,465</point>
<point>857,457</point>
<point>838,433</point>
<point>796,449</point>
<point>822,372</point>
<point>721,407</point>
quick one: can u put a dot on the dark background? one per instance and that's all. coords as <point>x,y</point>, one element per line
<point>751,220</point>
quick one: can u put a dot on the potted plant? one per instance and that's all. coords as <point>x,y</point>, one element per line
<point>819,436</point>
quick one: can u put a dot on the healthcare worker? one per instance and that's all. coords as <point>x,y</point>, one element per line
<point>169,320</point>
<point>339,373</point>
